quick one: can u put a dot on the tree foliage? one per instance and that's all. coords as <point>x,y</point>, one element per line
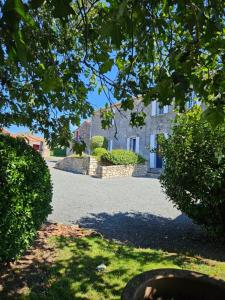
<point>194,172</point>
<point>52,52</point>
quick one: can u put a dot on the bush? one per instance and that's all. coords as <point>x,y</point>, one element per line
<point>194,174</point>
<point>98,141</point>
<point>25,196</point>
<point>99,152</point>
<point>122,157</point>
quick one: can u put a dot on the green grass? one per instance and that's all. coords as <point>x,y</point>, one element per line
<point>73,273</point>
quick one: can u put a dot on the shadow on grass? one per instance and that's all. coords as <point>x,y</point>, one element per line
<point>72,274</point>
<point>155,232</point>
<point>65,268</point>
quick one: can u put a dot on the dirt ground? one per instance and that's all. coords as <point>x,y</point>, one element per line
<point>32,268</point>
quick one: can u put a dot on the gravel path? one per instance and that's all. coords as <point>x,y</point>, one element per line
<point>132,210</point>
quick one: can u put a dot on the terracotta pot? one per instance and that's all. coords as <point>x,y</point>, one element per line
<point>173,284</point>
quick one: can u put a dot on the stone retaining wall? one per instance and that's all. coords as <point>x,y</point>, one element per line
<point>123,171</point>
<point>94,167</point>
<point>90,166</point>
<point>73,164</point>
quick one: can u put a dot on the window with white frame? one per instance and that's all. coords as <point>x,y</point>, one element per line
<point>192,101</point>
<point>190,104</point>
<point>133,144</point>
<point>158,110</point>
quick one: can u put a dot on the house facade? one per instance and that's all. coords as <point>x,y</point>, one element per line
<point>38,143</point>
<point>83,132</point>
<point>159,120</point>
<point>139,140</point>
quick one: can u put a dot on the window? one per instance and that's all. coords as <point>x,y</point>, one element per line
<point>133,144</point>
<point>157,110</point>
<point>160,109</point>
<point>190,104</point>
<point>193,101</point>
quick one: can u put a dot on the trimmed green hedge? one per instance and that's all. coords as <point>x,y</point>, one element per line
<point>25,196</point>
<point>99,152</point>
<point>194,172</point>
<point>98,141</point>
<point>122,157</point>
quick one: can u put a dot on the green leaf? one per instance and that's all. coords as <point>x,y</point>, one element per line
<point>116,36</point>
<point>106,66</point>
<point>62,8</point>
<point>214,116</point>
<point>21,49</point>
<point>20,9</point>
<point>36,3</point>
<point>120,63</point>
<point>51,81</point>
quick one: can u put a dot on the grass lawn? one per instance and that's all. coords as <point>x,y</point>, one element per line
<point>72,273</point>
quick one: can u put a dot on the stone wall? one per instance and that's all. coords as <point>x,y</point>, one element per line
<point>123,171</point>
<point>94,167</point>
<point>73,164</point>
<point>90,166</point>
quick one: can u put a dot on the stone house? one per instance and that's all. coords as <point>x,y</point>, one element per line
<point>140,140</point>
<point>38,143</point>
<point>83,132</point>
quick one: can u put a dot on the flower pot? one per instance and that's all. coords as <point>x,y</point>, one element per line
<point>173,284</point>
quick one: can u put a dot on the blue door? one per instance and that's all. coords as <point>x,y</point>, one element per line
<point>158,156</point>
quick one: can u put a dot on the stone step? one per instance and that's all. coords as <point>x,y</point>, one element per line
<point>153,175</point>
<point>155,170</point>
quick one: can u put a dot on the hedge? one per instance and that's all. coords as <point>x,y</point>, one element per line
<point>25,196</point>
<point>99,152</point>
<point>122,157</point>
<point>194,172</point>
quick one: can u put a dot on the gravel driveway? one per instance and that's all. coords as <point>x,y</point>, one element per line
<point>132,210</point>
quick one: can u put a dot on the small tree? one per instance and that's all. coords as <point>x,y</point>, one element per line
<point>194,174</point>
<point>98,141</point>
<point>78,147</point>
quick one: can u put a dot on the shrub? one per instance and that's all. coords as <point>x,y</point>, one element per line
<point>78,147</point>
<point>194,174</point>
<point>122,157</point>
<point>98,141</point>
<point>25,196</point>
<point>99,152</point>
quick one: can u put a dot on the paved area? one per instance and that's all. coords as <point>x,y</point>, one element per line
<point>77,196</point>
<point>132,210</point>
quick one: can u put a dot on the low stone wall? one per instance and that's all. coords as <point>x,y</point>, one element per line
<point>123,171</point>
<point>90,166</point>
<point>94,167</point>
<point>73,164</point>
